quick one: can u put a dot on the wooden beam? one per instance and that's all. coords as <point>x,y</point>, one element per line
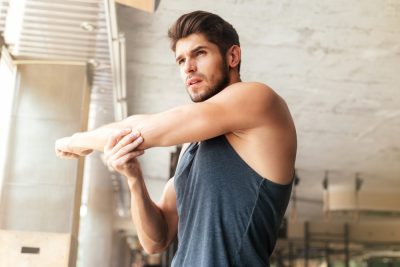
<point>146,5</point>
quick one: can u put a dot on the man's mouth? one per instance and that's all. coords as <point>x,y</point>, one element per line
<point>193,81</point>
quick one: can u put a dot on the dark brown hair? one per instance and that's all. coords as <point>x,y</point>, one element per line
<point>214,28</point>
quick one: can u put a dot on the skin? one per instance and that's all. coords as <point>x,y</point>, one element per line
<point>254,119</point>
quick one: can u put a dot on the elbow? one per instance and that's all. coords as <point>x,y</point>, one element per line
<point>153,249</point>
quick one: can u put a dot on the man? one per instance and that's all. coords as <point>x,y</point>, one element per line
<point>233,182</point>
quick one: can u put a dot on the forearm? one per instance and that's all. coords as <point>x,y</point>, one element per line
<point>148,219</point>
<point>179,125</point>
<point>96,139</point>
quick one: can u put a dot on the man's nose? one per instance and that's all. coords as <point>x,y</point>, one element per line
<point>190,66</point>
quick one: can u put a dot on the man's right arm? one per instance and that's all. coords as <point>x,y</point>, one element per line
<point>168,209</point>
<point>156,224</point>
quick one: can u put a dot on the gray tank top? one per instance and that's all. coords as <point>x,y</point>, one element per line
<point>228,214</point>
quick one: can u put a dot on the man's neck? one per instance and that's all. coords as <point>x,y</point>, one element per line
<point>234,78</point>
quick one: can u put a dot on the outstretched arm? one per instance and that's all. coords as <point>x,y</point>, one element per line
<point>238,107</point>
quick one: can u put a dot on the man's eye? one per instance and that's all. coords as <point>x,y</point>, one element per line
<point>201,53</point>
<point>180,62</point>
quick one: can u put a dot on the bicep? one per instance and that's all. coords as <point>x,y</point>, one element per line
<point>238,107</point>
<point>167,204</point>
<point>243,107</point>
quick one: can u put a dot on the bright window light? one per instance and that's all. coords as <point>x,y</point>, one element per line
<point>83,211</point>
<point>14,22</point>
<point>7,79</point>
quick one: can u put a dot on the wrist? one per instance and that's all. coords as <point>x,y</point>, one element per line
<point>135,184</point>
<point>73,140</point>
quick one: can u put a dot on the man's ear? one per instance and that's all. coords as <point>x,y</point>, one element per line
<point>233,56</point>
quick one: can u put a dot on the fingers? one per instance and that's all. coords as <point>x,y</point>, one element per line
<point>64,151</point>
<point>127,159</point>
<point>122,142</point>
<point>120,151</point>
<point>127,139</point>
<point>115,138</point>
<point>66,155</point>
<point>86,152</point>
<point>113,158</point>
<point>69,155</point>
<point>128,148</point>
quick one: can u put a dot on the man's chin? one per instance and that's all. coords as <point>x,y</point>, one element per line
<point>196,98</point>
<point>202,95</point>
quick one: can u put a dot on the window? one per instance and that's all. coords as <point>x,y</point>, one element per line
<point>7,86</point>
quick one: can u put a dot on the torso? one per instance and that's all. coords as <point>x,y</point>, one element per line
<point>270,151</point>
<point>252,201</point>
<point>221,195</point>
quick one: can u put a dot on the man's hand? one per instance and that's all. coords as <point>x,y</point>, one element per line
<point>64,150</point>
<point>120,153</point>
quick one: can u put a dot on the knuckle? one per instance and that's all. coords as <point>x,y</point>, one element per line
<point>114,165</point>
<point>116,132</point>
<point>119,165</point>
<point>110,138</point>
<point>114,136</point>
<point>127,139</point>
<point>109,163</point>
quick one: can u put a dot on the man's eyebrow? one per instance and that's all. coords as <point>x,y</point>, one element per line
<point>198,48</point>
<point>178,58</point>
<point>194,50</point>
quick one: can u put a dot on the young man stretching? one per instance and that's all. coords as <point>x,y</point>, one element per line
<point>233,182</point>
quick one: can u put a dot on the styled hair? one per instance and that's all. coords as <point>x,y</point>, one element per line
<point>212,26</point>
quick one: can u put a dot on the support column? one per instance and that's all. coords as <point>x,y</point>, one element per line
<point>306,243</point>
<point>346,245</point>
<point>41,193</point>
<point>327,255</point>
<point>291,254</point>
<point>96,235</point>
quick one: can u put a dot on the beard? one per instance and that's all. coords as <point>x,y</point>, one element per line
<point>215,88</point>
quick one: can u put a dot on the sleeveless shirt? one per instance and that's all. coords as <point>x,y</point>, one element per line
<point>228,214</point>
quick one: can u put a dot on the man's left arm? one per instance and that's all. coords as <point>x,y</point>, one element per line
<point>238,107</point>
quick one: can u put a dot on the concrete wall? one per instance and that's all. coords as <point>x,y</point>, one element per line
<point>334,63</point>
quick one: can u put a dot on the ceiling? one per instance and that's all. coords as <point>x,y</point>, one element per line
<point>336,66</point>
<point>64,32</point>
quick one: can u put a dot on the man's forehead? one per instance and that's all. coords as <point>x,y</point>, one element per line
<point>190,43</point>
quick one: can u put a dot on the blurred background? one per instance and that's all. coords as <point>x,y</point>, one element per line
<point>72,65</point>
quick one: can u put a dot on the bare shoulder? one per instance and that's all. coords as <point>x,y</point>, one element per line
<point>251,90</point>
<point>252,105</point>
<point>268,141</point>
<point>250,96</point>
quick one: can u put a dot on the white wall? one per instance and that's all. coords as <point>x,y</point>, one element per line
<point>335,63</point>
